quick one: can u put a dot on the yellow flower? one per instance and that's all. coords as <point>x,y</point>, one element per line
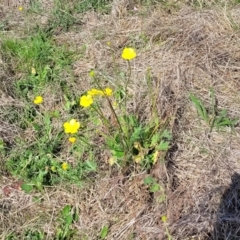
<point>94,92</point>
<point>33,71</point>
<point>107,92</point>
<point>65,166</point>
<point>155,157</point>
<point>112,160</point>
<point>92,73</point>
<point>86,101</point>
<point>72,126</point>
<point>164,219</point>
<point>72,139</point>
<point>20,8</point>
<point>53,169</point>
<point>128,53</point>
<point>38,100</point>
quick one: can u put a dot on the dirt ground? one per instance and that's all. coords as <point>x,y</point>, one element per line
<point>189,50</point>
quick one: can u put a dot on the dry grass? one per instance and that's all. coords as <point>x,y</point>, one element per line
<point>188,51</point>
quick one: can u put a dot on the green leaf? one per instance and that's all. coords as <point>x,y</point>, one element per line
<point>163,146</point>
<point>91,166</point>
<point>36,127</point>
<point>136,134</point>
<point>66,210</point>
<point>27,188</point>
<point>166,134</point>
<point>155,187</point>
<point>117,154</point>
<point>104,232</point>
<point>161,198</point>
<point>200,107</point>
<point>148,180</point>
<point>69,219</point>
<point>155,139</point>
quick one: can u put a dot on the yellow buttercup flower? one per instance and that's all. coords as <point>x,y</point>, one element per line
<point>38,100</point>
<point>164,219</point>
<point>92,73</point>
<point>86,100</point>
<point>65,166</point>
<point>112,160</point>
<point>94,92</point>
<point>72,126</point>
<point>33,71</point>
<point>128,53</point>
<point>72,139</point>
<point>108,92</point>
<point>20,8</point>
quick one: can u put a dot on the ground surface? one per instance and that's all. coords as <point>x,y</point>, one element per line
<point>190,48</point>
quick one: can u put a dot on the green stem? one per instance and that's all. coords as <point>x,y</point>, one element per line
<point>114,113</point>
<point>127,83</point>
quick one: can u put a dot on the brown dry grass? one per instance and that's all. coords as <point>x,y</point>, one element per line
<point>189,51</point>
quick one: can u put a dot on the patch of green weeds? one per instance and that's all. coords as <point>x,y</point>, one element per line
<point>214,117</point>
<point>200,4</point>
<point>102,6</point>
<point>39,60</point>
<point>28,234</point>
<point>65,230</point>
<point>37,160</point>
<point>167,5</point>
<point>62,16</point>
<point>128,140</point>
<point>136,142</point>
<point>155,187</point>
<point>139,41</point>
<point>39,156</point>
<point>35,6</point>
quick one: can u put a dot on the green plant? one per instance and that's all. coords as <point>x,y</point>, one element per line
<point>126,137</point>
<point>104,232</point>
<point>29,234</point>
<point>62,16</point>
<point>155,187</point>
<point>37,161</point>
<point>67,217</point>
<point>97,5</point>
<point>214,117</point>
<point>33,235</point>
<point>136,142</point>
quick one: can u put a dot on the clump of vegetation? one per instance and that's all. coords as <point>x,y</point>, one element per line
<point>87,113</point>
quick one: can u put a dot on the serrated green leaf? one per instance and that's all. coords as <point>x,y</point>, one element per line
<point>166,134</point>
<point>155,139</point>
<point>163,146</point>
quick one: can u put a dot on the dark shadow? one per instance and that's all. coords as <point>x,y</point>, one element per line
<point>227,225</point>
